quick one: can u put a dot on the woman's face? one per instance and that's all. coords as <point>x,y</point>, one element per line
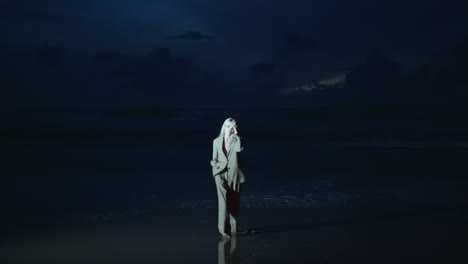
<point>230,128</point>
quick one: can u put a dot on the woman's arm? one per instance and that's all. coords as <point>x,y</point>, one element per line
<point>238,143</point>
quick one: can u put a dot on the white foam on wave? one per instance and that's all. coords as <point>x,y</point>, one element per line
<point>436,191</point>
<point>279,201</point>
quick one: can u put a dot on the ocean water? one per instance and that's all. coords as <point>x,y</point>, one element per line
<point>101,164</point>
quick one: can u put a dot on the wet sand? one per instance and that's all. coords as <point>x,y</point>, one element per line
<point>286,235</point>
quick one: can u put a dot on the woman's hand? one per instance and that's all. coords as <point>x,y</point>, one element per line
<point>231,129</point>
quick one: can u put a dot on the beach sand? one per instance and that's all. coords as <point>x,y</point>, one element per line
<point>286,235</point>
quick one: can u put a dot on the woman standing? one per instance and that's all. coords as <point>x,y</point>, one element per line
<point>228,177</point>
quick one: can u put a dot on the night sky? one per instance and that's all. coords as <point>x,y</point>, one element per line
<point>142,53</point>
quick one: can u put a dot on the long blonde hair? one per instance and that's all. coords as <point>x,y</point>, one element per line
<point>229,119</point>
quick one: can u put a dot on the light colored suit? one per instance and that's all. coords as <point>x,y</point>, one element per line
<point>227,183</point>
<point>219,161</point>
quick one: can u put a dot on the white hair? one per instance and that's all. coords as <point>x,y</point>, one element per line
<point>229,119</point>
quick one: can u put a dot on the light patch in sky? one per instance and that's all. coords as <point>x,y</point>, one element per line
<point>335,80</point>
<point>320,85</point>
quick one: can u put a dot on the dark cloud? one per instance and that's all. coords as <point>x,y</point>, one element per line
<point>457,72</point>
<point>49,56</point>
<point>299,43</point>
<point>263,67</point>
<point>34,11</point>
<point>380,80</point>
<point>160,72</point>
<point>377,69</point>
<point>192,35</point>
<point>118,52</point>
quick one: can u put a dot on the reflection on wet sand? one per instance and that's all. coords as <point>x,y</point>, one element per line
<point>227,251</point>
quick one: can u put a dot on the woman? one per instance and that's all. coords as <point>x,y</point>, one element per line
<point>228,177</point>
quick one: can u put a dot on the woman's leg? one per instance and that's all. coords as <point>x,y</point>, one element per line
<point>233,199</point>
<point>223,217</point>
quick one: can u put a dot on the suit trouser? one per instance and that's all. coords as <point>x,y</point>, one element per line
<point>228,205</point>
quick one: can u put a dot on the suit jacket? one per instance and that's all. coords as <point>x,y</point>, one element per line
<point>219,161</point>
